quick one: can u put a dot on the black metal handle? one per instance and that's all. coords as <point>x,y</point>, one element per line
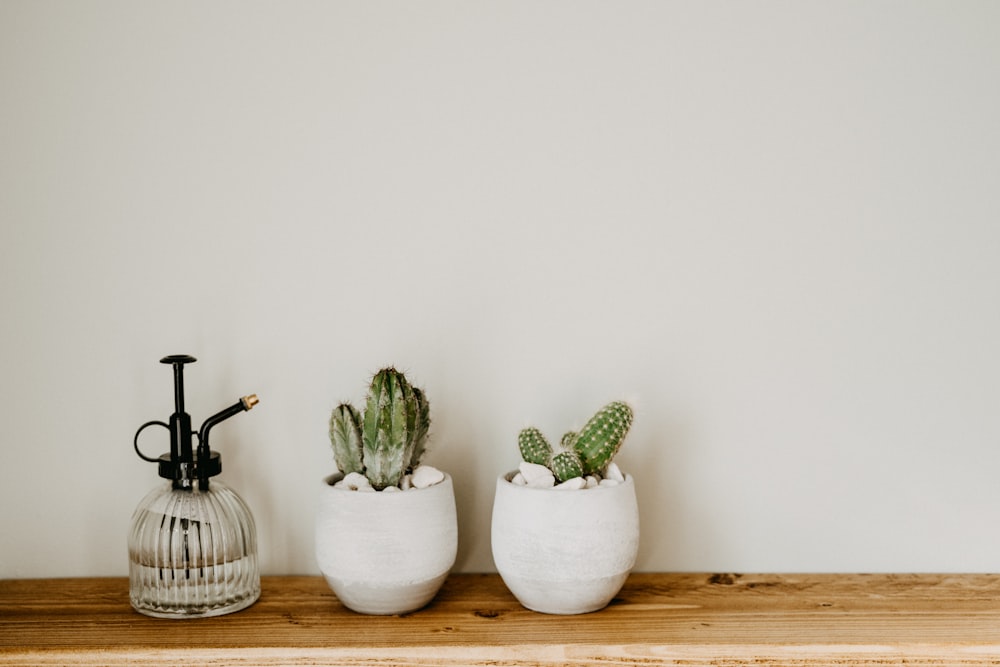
<point>135,442</point>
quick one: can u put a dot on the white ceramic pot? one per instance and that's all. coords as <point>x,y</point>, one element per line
<point>386,553</point>
<point>564,552</point>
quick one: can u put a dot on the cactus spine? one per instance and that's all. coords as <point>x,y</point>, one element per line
<point>390,438</point>
<point>581,453</point>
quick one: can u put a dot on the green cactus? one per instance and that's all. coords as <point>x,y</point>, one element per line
<point>345,436</point>
<point>585,452</point>
<point>390,438</point>
<point>566,465</point>
<point>422,428</point>
<point>601,437</point>
<point>534,447</point>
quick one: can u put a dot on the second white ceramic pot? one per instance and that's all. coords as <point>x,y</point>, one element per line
<point>386,553</point>
<point>564,552</point>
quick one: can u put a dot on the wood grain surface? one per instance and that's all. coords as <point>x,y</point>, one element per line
<point>657,619</point>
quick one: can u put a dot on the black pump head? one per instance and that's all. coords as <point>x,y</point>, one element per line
<point>182,465</point>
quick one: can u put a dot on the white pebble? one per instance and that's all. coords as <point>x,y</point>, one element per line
<point>537,476</point>
<point>390,489</point>
<point>592,482</point>
<point>355,481</point>
<point>613,472</point>
<point>406,483</point>
<point>533,471</point>
<point>519,480</point>
<point>610,482</point>
<point>424,476</point>
<point>572,484</point>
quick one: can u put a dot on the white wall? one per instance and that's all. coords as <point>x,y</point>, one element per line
<point>774,226</point>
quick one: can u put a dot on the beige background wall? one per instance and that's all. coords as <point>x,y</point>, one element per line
<point>774,226</point>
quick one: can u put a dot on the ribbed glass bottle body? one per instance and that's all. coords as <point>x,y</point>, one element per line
<point>192,553</point>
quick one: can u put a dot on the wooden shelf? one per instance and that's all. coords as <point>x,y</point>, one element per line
<point>657,619</point>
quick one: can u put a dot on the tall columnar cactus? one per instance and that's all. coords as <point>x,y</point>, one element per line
<point>585,452</point>
<point>390,438</point>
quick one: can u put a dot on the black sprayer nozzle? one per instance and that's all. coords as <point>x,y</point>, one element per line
<point>204,453</point>
<point>182,465</point>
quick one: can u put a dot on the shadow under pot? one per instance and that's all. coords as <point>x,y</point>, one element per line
<point>562,551</point>
<point>386,553</point>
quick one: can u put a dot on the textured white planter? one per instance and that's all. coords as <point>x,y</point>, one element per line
<point>386,553</point>
<point>564,552</point>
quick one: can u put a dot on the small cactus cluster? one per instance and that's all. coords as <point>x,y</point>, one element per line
<point>388,440</point>
<point>585,452</point>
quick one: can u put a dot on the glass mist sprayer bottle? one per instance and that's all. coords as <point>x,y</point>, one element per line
<point>193,545</point>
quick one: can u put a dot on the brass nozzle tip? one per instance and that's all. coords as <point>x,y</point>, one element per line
<point>250,401</point>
